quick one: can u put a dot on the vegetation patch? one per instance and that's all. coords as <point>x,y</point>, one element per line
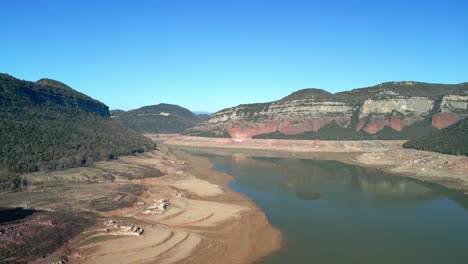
<point>113,201</point>
<point>40,235</point>
<point>451,140</point>
<point>161,118</point>
<point>133,189</point>
<point>212,134</point>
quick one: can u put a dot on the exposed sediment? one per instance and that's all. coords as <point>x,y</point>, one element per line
<point>184,213</point>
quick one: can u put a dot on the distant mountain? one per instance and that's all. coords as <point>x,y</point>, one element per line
<point>161,118</point>
<point>450,140</point>
<point>202,113</point>
<point>391,110</point>
<point>46,125</point>
<point>203,117</point>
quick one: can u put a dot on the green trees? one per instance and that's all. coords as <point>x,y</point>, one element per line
<point>161,118</point>
<point>49,127</point>
<point>451,140</point>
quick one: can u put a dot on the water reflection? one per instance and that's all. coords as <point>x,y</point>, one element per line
<point>332,212</point>
<point>300,176</point>
<point>308,196</point>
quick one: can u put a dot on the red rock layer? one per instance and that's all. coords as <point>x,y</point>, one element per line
<point>374,124</point>
<point>240,131</point>
<point>396,123</point>
<point>246,130</point>
<point>443,120</point>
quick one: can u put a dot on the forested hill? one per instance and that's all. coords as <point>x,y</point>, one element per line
<point>47,125</point>
<point>450,140</point>
<point>161,118</point>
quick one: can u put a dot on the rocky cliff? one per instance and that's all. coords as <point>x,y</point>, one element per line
<point>387,110</point>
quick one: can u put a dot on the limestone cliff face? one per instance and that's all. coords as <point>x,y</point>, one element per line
<point>408,106</point>
<point>396,112</point>
<point>454,103</point>
<point>287,117</point>
<point>283,110</point>
<point>368,109</point>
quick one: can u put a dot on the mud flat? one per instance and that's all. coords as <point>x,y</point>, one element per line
<point>155,207</point>
<point>389,155</point>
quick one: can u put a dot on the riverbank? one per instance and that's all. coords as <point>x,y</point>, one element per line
<point>151,207</point>
<point>389,155</point>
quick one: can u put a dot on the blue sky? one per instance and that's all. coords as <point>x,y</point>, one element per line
<point>212,54</point>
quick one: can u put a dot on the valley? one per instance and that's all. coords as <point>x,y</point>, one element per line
<point>82,184</point>
<point>234,132</point>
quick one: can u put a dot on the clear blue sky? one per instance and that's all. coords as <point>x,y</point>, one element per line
<point>212,54</point>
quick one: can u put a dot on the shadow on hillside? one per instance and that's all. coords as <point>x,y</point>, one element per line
<point>8,215</point>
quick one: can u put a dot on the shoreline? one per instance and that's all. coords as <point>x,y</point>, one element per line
<point>389,155</point>
<point>251,236</point>
<point>203,220</point>
<point>206,221</point>
<point>209,223</point>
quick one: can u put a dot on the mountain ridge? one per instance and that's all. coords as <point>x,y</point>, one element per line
<point>370,109</point>
<point>160,118</point>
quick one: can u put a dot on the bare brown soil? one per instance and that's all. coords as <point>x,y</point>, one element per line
<point>204,222</point>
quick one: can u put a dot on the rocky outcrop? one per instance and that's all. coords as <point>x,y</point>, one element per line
<point>452,109</point>
<point>395,105</point>
<point>444,119</point>
<point>454,103</point>
<point>418,106</point>
<point>396,112</point>
<point>287,117</point>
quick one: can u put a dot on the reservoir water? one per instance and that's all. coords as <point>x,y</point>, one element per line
<point>331,212</point>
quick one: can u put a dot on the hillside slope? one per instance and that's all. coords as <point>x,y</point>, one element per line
<point>450,140</point>
<point>47,125</point>
<point>161,118</point>
<point>392,110</point>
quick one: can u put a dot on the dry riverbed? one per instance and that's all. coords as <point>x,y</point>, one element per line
<point>151,208</point>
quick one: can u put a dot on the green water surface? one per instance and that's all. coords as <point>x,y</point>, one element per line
<point>330,212</point>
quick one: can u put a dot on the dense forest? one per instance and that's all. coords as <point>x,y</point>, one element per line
<point>47,125</point>
<point>161,118</point>
<point>451,140</point>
